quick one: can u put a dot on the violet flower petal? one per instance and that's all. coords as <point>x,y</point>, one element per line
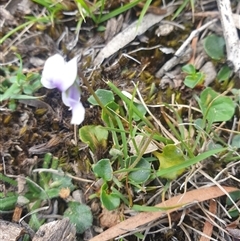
<point>69,74</point>
<point>71,98</point>
<point>52,71</point>
<point>59,74</point>
<point>78,114</point>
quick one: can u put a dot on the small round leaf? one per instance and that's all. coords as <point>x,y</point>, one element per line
<point>189,69</point>
<point>214,46</point>
<point>109,199</point>
<point>103,169</point>
<point>224,73</point>
<point>80,215</point>
<point>216,107</point>
<point>236,141</point>
<point>142,170</point>
<point>105,96</point>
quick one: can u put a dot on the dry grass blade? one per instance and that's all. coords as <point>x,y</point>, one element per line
<point>208,227</point>
<point>198,195</point>
<point>128,34</point>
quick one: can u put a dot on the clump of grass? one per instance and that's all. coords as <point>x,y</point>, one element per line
<point>95,11</point>
<point>185,145</point>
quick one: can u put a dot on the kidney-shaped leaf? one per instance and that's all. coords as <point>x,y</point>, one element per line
<point>236,141</point>
<point>170,157</point>
<point>142,170</point>
<point>216,107</point>
<point>94,136</point>
<point>214,46</point>
<point>105,96</point>
<point>80,215</point>
<point>108,198</point>
<point>103,169</point>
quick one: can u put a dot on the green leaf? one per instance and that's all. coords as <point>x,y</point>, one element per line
<point>21,78</point>
<point>12,90</point>
<point>144,10</point>
<point>80,215</point>
<point>13,79</point>
<point>235,197</point>
<point>11,181</point>
<point>105,115</point>
<point>119,194</point>
<point>224,73</point>
<point>139,236</point>
<point>85,10</point>
<point>12,104</point>
<point>94,136</point>
<point>8,203</point>
<point>170,157</point>
<point>109,199</point>
<point>105,96</point>
<point>236,93</point>
<point>192,80</point>
<point>28,89</point>
<point>214,46</point>
<point>34,221</point>
<point>234,214</point>
<point>212,145</point>
<point>189,162</point>
<point>216,107</point>
<point>141,171</point>
<point>103,169</point>
<point>199,124</point>
<point>236,141</point>
<point>10,96</point>
<point>60,181</point>
<point>189,69</point>
<point>118,11</point>
<point>180,9</point>
<point>142,109</point>
<point>101,28</point>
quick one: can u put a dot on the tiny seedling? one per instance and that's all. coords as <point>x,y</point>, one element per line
<point>193,77</point>
<point>17,85</point>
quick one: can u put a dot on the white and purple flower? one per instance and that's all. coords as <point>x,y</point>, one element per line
<point>57,73</point>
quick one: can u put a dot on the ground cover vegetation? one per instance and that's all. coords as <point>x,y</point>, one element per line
<point>119,119</point>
